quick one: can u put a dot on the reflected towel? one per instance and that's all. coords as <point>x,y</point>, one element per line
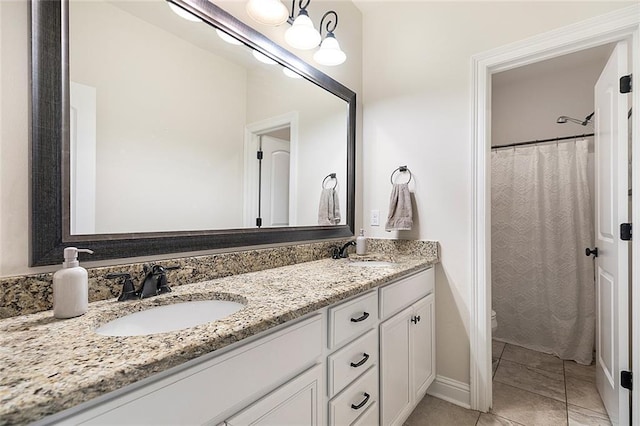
<point>400,216</point>
<point>329,209</point>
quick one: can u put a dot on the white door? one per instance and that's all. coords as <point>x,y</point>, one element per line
<point>396,398</point>
<point>275,182</point>
<point>612,284</point>
<point>295,403</point>
<point>423,346</point>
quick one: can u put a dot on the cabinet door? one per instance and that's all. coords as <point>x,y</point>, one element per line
<point>423,352</point>
<point>394,368</point>
<point>294,403</point>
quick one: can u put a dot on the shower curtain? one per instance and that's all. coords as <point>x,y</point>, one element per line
<point>541,223</point>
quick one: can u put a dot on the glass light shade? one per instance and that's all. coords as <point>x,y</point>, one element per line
<point>262,58</point>
<point>329,52</point>
<point>302,35</point>
<point>268,12</point>
<point>183,13</point>
<point>290,74</point>
<point>229,39</point>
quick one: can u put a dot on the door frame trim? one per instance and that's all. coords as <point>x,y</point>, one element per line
<point>252,133</point>
<point>622,24</point>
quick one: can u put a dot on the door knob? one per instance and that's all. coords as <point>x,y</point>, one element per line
<point>590,252</point>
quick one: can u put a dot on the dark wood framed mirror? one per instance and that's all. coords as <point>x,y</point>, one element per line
<point>50,150</point>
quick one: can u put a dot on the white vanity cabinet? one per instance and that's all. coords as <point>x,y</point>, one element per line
<point>366,361</point>
<point>295,403</point>
<point>211,390</point>
<point>407,345</point>
<point>352,366</point>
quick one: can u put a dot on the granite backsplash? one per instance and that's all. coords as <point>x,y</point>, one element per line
<point>28,294</point>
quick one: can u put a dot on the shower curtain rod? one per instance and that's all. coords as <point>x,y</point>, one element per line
<point>562,138</point>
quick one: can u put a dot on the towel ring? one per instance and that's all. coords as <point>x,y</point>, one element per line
<point>330,176</point>
<point>401,169</point>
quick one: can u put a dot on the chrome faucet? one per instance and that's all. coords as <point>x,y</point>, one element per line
<point>153,283</point>
<point>341,253</point>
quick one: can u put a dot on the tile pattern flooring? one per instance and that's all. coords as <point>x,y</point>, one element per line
<point>529,389</point>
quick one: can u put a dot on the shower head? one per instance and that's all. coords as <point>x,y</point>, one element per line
<point>564,119</point>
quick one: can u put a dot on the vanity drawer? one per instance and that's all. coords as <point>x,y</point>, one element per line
<point>397,296</point>
<point>355,399</point>
<point>371,417</point>
<point>351,319</point>
<point>351,361</point>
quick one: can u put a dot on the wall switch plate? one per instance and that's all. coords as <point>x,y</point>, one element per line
<point>375,217</point>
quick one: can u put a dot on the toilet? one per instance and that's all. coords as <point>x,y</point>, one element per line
<point>494,321</point>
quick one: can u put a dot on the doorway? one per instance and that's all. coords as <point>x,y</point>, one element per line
<point>542,220</point>
<point>270,158</point>
<point>613,27</point>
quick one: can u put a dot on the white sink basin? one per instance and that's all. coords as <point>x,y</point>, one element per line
<point>371,263</point>
<point>166,318</point>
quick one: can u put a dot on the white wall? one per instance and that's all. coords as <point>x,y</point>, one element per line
<point>14,113</point>
<point>322,135</point>
<point>14,137</point>
<point>526,101</point>
<point>350,36</point>
<point>171,95</point>
<point>416,78</point>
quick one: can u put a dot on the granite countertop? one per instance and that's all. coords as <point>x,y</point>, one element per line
<point>48,365</point>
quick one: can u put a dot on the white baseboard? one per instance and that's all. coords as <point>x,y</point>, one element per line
<point>451,391</point>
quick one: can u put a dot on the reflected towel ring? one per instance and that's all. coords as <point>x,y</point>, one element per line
<point>330,176</point>
<point>401,169</point>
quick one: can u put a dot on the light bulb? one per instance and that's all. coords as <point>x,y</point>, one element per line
<point>183,13</point>
<point>329,52</point>
<point>268,12</point>
<point>302,35</point>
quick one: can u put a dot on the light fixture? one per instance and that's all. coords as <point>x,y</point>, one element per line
<point>268,12</point>
<point>302,34</point>
<point>263,58</point>
<point>329,53</point>
<point>226,37</point>
<point>183,13</point>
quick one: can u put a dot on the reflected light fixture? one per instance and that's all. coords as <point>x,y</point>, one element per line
<point>329,53</point>
<point>263,58</point>
<point>229,39</point>
<point>183,13</point>
<point>290,74</point>
<point>268,12</point>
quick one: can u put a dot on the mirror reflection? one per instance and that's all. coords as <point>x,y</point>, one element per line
<point>168,119</point>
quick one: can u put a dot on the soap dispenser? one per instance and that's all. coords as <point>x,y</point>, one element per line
<point>71,286</point>
<point>361,244</point>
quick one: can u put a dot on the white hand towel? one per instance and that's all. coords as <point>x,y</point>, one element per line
<point>400,216</point>
<point>329,208</point>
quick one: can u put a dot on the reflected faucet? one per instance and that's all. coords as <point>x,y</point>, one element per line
<point>341,253</point>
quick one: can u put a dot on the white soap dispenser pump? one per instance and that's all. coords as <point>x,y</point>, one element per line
<point>361,244</point>
<point>71,286</point>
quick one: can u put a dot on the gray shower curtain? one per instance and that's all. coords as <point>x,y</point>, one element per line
<point>541,223</point>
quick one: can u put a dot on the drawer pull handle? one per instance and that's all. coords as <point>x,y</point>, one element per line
<point>362,318</point>
<point>363,403</point>
<point>415,319</point>
<point>362,361</point>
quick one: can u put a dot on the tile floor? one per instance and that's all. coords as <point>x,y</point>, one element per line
<point>529,389</point>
